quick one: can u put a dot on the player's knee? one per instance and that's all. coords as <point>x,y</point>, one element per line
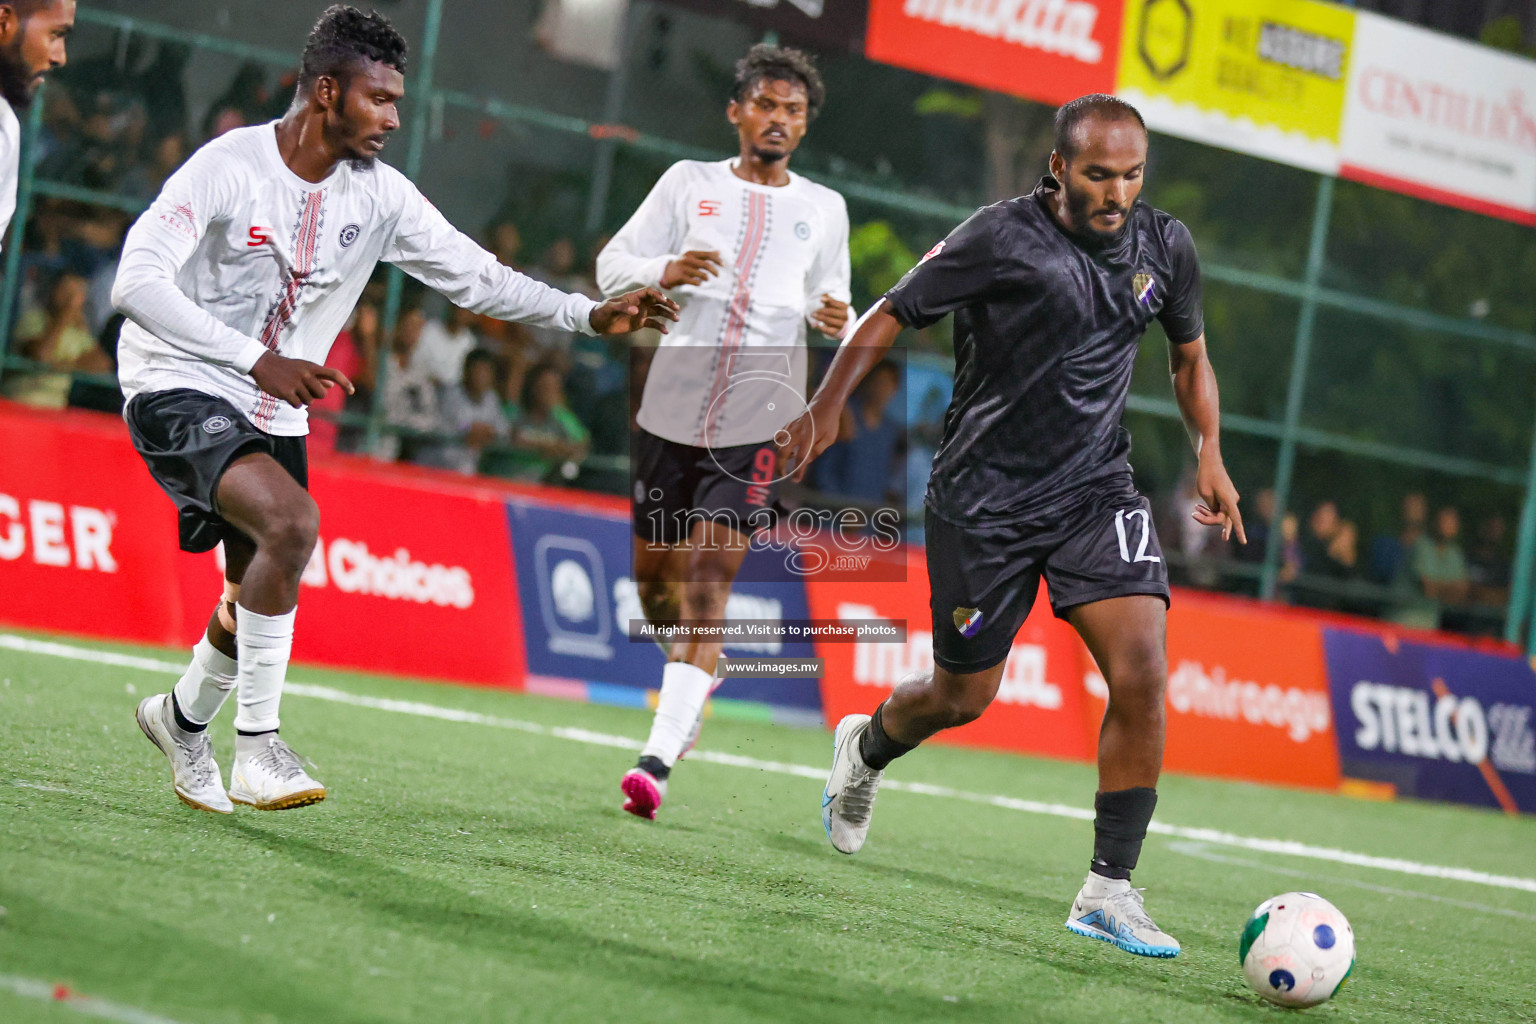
<point>290,534</point>
<point>961,705</point>
<point>1138,680</point>
<point>659,598</point>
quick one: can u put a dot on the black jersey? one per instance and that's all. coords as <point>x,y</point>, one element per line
<point>1046,328</point>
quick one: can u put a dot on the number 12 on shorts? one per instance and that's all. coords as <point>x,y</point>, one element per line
<point>1146,532</point>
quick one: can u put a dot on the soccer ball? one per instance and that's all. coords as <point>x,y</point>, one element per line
<point>1297,949</point>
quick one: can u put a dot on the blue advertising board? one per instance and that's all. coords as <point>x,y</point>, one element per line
<point>577,596</point>
<point>1436,721</point>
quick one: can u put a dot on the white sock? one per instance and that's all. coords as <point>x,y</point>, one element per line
<point>265,643</point>
<point>206,684</point>
<point>684,689</point>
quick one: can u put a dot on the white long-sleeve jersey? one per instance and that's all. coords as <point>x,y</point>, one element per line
<point>10,164</point>
<point>783,248</point>
<point>239,256</point>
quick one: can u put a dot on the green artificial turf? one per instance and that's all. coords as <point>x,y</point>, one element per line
<point>465,872</point>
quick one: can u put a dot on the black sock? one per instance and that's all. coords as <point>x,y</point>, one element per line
<point>654,767</point>
<point>1119,827</point>
<point>263,732</point>
<point>184,723</point>
<point>876,746</point>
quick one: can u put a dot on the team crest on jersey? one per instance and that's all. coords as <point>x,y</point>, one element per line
<point>349,235</point>
<point>931,253</point>
<point>1141,285</point>
<point>216,424</point>
<point>968,621</point>
<point>802,230</point>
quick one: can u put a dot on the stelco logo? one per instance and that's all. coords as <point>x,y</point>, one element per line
<point>351,568</point>
<point>1416,723</point>
<point>57,535</point>
<point>1055,26</point>
<point>885,664</point>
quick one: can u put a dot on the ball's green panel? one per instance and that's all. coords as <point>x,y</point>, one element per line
<point>1340,986</point>
<point>1251,932</point>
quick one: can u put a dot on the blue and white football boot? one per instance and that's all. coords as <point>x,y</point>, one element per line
<point>1110,910</point>
<point>849,797</point>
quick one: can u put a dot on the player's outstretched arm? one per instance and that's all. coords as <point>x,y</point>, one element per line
<point>815,429</point>
<point>644,307</point>
<point>1194,386</point>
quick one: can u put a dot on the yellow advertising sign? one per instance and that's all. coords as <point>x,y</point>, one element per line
<point>1266,77</point>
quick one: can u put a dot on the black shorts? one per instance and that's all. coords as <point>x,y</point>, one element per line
<point>188,439</point>
<point>983,580</point>
<point>674,483</point>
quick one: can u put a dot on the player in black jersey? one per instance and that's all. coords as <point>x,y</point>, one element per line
<point>1051,293</point>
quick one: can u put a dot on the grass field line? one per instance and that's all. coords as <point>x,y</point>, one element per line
<point>31,988</point>
<point>1284,847</point>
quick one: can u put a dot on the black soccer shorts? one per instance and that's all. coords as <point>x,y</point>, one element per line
<point>188,439</point>
<point>678,484</point>
<point>983,580</point>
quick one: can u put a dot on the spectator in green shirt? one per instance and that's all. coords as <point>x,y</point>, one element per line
<point>548,440</point>
<point>1439,561</point>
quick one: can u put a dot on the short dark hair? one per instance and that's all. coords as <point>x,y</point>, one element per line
<point>779,64</point>
<point>27,8</point>
<point>344,37</point>
<point>1097,104</point>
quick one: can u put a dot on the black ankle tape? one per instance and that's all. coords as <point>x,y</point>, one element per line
<point>655,767</point>
<point>184,723</point>
<point>263,732</point>
<point>1119,828</point>
<point>876,746</point>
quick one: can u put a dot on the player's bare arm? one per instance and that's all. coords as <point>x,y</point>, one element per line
<point>693,267</point>
<point>1194,386</point>
<point>814,431</point>
<point>297,381</point>
<point>627,313</point>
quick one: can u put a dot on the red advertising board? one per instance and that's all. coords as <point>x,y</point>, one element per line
<point>1047,50</point>
<point>412,575</point>
<point>1247,694</point>
<point>87,541</point>
<point>1039,707</point>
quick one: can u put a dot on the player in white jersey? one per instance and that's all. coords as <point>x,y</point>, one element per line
<point>32,34</point>
<point>235,282</point>
<point>755,255</point>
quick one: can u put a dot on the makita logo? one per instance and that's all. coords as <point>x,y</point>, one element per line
<point>1194,690</point>
<point>1064,27</point>
<point>58,535</point>
<point>886,664</point>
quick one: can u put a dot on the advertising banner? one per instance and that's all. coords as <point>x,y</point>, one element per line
<point>1039,706</point>
<point>1266,78</point>
<point>87,540</point>
<point>1046,50</point>
<point>410,577</point>
<point>578,598</point>
<point>1247,694</point>
<point>1442,119</point>
<point>1436,722</point>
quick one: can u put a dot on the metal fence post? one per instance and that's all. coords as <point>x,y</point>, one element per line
<point>10,287</point>
<point>420,115</point>
<point>1520,591</point>
<point>1301,357</point>
<point>613,113</point>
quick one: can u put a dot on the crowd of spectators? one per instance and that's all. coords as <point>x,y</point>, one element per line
<point>1419,572</point>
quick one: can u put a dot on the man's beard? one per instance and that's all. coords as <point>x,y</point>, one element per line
<point>354,159</point>
<point>17,84</point>
<point>769,156</point>
<point>1080,209</point>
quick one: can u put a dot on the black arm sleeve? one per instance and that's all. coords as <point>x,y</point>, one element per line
<point>955,273</point>
<point>1182,316</point>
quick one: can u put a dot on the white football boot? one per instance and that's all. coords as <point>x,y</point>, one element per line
<point>643,793</point>
<point>1110,910</point>
<point>849,797</point>
<point>268,776</point>
<point>194,772</point>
